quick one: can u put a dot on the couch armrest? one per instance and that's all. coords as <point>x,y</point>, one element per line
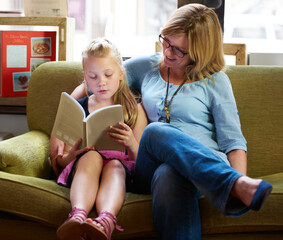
<point>26,154</point>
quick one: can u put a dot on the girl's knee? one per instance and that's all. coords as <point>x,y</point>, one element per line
<point>91,158</point>
<point>115,166</point>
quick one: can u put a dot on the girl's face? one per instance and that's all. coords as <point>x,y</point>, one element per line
<point>103,76</point>
<point>170,59</point>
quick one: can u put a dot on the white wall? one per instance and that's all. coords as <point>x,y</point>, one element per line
<point>266,59</point>
<point>15,124</point>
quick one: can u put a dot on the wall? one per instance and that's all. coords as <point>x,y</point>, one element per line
<point>15,124</point>
<point>266,59</point>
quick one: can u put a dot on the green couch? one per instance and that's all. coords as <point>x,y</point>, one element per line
<point>32,205</point>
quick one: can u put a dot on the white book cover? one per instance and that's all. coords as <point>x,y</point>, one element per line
<point>71,124</point>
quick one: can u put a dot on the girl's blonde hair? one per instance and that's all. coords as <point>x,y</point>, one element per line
<point>103,48</point>
<point>205,47</point>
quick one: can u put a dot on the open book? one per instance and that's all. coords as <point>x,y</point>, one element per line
<point>71,124</point>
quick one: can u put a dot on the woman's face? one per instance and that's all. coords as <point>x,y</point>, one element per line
<point>170,59</point>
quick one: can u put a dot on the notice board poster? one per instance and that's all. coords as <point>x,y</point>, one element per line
<point>21,53</point>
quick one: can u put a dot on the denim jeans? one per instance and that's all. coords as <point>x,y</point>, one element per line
<point>176,168</point>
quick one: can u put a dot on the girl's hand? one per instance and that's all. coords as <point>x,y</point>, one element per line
<point>123,135</point>
<point>72,154</point>
<point>56,150</point>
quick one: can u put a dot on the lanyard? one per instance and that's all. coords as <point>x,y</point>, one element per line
<point>167,104</point>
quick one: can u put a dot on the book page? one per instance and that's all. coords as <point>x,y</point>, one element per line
<point>98,123</point>
<point>68,125</point>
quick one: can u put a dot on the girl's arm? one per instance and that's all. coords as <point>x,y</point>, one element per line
<point>238,160</point>
<point>70,153</point>
<point>128,137</point>
<point>61,154</point>
<point>56,147</point>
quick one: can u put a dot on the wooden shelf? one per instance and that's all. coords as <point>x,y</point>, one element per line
<point>65,32</point>
<point>13,101</point>
<point>13,105</point>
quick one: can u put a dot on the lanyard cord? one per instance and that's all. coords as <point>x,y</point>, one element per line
<point>167,104</point>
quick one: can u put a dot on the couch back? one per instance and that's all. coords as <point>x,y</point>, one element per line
<point>45,87</point>
<point>259,95</point>
<point>258,91</point>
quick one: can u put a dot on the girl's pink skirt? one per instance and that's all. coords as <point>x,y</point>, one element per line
<point>66,176</point>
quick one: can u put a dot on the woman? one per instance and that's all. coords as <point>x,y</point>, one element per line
<point>194,145</point>
<point>200,148</point>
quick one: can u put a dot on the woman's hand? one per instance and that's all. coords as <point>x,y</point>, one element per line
<point>68,157</point>
<point>123,136</point>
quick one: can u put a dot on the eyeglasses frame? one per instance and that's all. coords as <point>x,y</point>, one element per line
<point>172,47</point>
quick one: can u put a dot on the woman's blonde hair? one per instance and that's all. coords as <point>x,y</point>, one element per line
<point>205,47</point>
<point>102,48</point>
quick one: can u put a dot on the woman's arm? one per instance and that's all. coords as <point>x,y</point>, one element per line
<point>79,92</point>
<point>238,160</point>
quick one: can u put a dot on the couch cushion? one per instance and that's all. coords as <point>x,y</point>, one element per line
<point>44,201</point>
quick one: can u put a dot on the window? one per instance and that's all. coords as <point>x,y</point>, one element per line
<point>133,25</point>
<point>258,24</point>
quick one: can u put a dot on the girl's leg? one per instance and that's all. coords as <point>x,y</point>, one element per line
<point>85,183</point>
<point>111,193</point>
<point>175,205</point>
<point>164,143</point>
<point>112,190</point>
<point>82,195</point>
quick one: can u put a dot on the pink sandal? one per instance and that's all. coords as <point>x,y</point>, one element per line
<point>71,228</point>
<point>94,232</point>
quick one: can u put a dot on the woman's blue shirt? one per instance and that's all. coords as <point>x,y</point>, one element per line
<point>206,111</point>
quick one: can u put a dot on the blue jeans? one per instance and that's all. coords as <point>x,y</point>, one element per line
<point>176,168</point>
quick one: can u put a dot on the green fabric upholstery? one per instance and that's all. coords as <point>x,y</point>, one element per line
<point>32,205</point>
<point>259,94</point>
<point>45,91</point>
<point>26,155</point>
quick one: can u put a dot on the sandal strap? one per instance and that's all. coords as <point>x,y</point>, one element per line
<point>78,213</point>
<point>106,224</point>
<point>114,219</point>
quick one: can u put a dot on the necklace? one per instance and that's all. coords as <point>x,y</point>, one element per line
<point>166,103</point>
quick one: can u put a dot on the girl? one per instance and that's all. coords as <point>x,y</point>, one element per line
<point>98,177</point>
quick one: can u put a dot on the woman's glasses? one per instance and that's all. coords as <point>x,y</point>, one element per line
<point>175,50</point>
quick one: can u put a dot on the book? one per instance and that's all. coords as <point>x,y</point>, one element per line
<point>72,124</point>
<point>21,53</point>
